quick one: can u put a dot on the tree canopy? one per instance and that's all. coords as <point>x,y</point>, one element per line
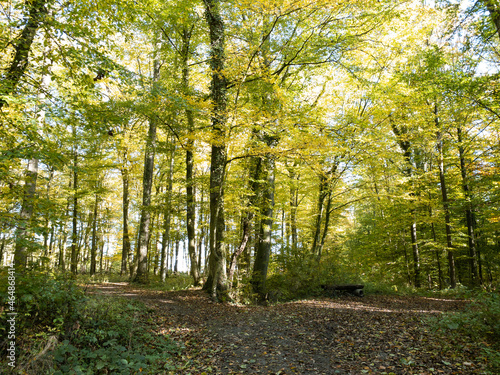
<point>318,140</point>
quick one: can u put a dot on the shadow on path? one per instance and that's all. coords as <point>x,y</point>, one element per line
<point>349,335</point>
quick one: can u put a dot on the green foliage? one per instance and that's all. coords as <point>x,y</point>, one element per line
<point>481,322</point>
<point>44,302</point>
<point>102,278</point>
<point>301,279</point>
<point>179,281</point>
<point>98,335</point>
<point>114,336</point>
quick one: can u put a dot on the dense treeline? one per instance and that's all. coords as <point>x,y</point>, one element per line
<point>311,140</point>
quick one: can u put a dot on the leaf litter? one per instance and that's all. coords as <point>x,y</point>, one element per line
<point>348,335</point>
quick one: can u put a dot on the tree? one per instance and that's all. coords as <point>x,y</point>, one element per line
<point>216,282</point>
<point>36,13</point>
<point>141,272</point>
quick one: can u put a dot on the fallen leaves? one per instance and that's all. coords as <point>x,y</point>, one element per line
<point>374,335</point>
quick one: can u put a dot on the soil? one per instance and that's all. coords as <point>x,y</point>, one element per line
<point>375,334</point>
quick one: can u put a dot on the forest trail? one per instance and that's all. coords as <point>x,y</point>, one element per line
<point>348,335</point>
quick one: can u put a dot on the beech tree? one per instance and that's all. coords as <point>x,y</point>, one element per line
<point>251,142</point>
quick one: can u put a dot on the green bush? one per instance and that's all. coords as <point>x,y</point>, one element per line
<point>179,281</point>
<point>93,334</point>
<point>44,302</point>
<point>301,279</point>
<point>114,336</point>
<point>480,322</point>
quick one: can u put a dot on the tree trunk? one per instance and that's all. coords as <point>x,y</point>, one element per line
<point>201,237</point>
<point>177,246</point>
<point>37,13</point>
<point>267,135</point>
<point>323,191</point>
<point>125,205</point>
<point>325,226</point>
<point>21,248</point>
<point>2,247</point>
<point>141,273</point>
<point>255,170</point>
<point>415,250</point>
<point>190,191</point>
<point>325,185</point>
<point>263,251</point>
<point>47,228</point>
<point>294,203</point>
<point>405,146</point>
<point>62,246</point>
<point>216,282</point>
<point>167,215</point>
<point>447,219</point>
<point>74,235</point>
<point>93,251</point>
<point>469,212</point>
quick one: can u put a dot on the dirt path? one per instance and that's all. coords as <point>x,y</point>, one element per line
<point>370,335</point>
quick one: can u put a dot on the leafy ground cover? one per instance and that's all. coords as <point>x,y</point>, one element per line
<point>348,335</point>
<point>61,330</point>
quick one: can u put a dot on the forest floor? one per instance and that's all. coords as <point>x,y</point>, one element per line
<point>375,334</point>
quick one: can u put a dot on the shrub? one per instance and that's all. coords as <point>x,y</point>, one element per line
<point>480,322</point>
<point>92,334</point>
<point>301,279</point>
<point>44,302</point>
<point>115,336</point>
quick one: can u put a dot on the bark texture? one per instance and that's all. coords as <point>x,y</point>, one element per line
<point>21,248</point>
<point>37,12</point>
<point>444,194</point>
<point>190,189</point>
<point>216,283</point>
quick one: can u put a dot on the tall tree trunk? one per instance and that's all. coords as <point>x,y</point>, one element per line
<point>101,253</point>
<point>141,273</point>
<point>47,227</point>
<point>294,203</point>
<point>125,208</point>
<point>216,282</point>
<point>176,263</point>
<point>93,251</point>
<point>323,191</point>
<point>263,251</point>
<point>37,12</point>
<point>325,186</point>
<point>325,226</point>
<point>74,235</point>
<point>2,247</point>
<point>21,248</point>
<point>405,146</point>
<point>62,246</point>
<point>52,239</point>
<point>167,215</point>
<point>447,220</point>
<point>469,212</point>
<point>201,237</point>
<point>190,191</point>
<point>267,135</point>
<point>415,250</point>
<point>255,170</point>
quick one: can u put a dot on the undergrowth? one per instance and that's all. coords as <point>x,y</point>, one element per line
<point>61,330</point>
<point>177,281</point>
<point>480,321</point>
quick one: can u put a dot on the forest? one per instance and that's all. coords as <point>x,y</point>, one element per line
<point>252,153</point>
